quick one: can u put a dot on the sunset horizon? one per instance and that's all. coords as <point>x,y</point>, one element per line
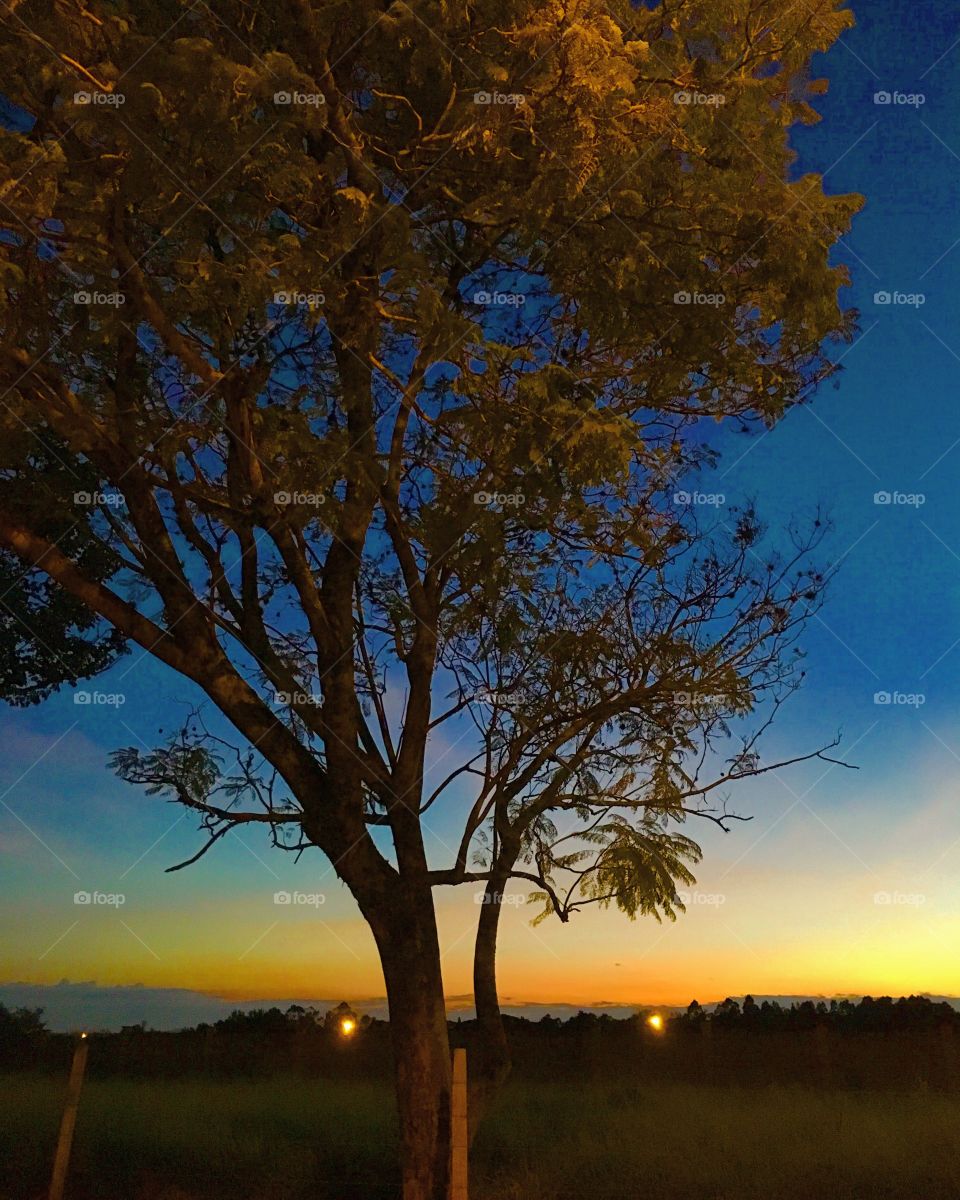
<point>479,599</point>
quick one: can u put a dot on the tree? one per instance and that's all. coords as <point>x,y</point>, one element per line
<point>695,1014</point>
<point>22,1032</point>
<point>21,1022</point>
<point>355,348</point>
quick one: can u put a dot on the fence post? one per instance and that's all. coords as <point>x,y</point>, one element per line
<point>65,1140</point>
<point>458,1127</point>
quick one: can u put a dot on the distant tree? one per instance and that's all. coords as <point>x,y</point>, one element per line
<point>359,350</point>
<point>727,1012</point>
<point>695,1013</point>
<point>21,1022</point>
<point>335,1017</point>
<point>21,1032</point>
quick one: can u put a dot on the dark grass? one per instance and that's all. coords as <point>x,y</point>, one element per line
<point>289,1138</point>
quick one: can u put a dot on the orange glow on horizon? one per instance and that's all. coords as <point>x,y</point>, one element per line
<point>236,952</point>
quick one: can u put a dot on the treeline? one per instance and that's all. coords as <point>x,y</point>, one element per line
<point>258,1042</point>
<point>869,1043</point>
<point>868,1015</point>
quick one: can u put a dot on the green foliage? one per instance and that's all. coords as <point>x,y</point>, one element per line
<point>49,638</point>
<point>639,869</point>
<point>386,360</point>
<point>188,771</point>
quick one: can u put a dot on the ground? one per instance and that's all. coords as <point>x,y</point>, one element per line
<point>290,1138</point>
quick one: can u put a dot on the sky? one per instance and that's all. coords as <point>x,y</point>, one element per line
<point>844,882</point>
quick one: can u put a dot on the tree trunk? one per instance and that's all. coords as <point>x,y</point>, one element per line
<point>490,1064</point>
<point>410,955</point>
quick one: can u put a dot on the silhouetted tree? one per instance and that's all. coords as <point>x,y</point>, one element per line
<point>727,1012</point>
<point>397,398</point>
<point>21,1032</point>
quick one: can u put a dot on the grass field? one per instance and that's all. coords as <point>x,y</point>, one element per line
<point>290,1139</point>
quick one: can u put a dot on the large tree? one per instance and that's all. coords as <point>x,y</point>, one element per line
<point>356,349</point>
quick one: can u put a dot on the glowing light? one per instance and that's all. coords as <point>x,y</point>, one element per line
<point>655,1022</point>
<point>348,1026</point>
<point>82,1036</point>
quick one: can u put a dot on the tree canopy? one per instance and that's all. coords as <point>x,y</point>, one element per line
<point>360,350</point>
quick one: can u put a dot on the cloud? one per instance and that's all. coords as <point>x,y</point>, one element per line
<point>88,1005</point>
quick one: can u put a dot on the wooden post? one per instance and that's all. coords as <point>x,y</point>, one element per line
<point>65,1140</point>
<point>458,1127</point>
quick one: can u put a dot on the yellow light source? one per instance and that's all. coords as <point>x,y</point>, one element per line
<point>82,1035</point>
<point>655,1022</point>
<point>348,1026</point>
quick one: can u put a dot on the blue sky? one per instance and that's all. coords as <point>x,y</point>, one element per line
<point>799,884</point>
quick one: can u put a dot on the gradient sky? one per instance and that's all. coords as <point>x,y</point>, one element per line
<point>787,903</point>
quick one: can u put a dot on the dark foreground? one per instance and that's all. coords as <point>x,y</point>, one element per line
<point>290,1138</point>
